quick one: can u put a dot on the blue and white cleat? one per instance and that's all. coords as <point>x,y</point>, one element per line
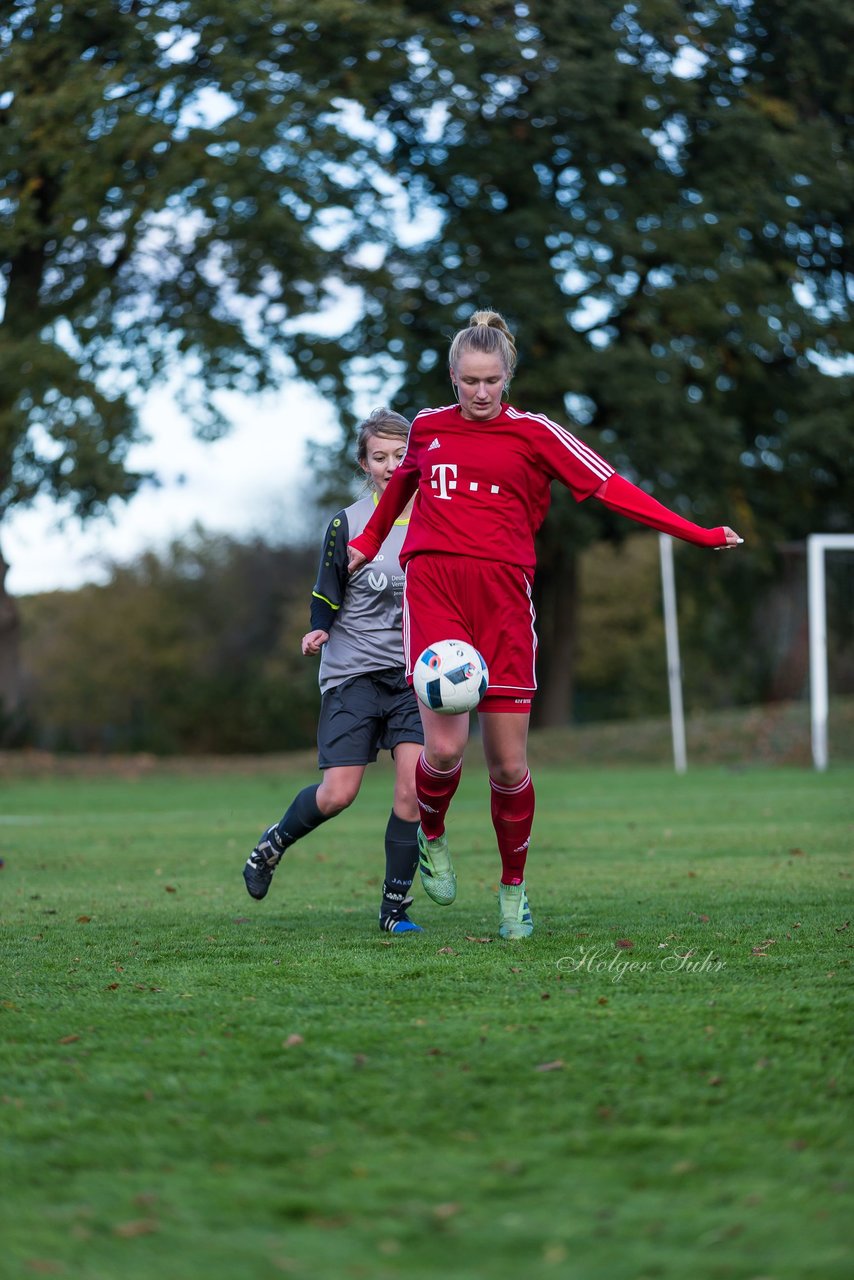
<point>393,919</point>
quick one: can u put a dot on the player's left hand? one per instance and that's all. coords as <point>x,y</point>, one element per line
<point>732,539</point>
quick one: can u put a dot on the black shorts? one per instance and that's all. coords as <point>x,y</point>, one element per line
<point>366,715</point>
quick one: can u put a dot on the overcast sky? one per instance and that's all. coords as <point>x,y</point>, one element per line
<point>235,485</point>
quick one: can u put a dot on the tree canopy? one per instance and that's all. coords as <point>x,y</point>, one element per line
<point>182,197</point>
<point>654,193</point>
<point>657,195</point>
<point>182,189</point>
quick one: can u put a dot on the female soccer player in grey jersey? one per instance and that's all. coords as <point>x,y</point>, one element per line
<point>366,703</point>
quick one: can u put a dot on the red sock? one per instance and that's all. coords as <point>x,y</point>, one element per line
<point>435,791</point>
<point>513,817</point>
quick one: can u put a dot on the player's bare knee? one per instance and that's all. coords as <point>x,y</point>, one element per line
<point>336,799</point>
<point>406,805</point>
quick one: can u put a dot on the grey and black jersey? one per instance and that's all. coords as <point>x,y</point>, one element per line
<point>362,614</point>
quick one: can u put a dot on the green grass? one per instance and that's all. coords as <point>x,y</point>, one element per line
<point>160,1118</point>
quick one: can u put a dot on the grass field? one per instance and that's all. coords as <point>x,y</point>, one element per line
<point>195,1085</point>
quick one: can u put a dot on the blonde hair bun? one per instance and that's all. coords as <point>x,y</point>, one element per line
<point>487,332</point>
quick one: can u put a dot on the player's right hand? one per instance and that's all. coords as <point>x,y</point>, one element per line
<point>356,560</point>
<point>313,642</point>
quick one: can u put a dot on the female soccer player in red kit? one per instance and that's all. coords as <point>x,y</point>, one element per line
<point>481,471</point>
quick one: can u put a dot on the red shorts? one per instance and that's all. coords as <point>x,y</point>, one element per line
<point>488,604</point>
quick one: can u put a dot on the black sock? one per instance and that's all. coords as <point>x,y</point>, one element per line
<point>401,859</point>
<point>303,816</point>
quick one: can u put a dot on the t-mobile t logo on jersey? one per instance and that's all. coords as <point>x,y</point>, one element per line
<point>445,479</point>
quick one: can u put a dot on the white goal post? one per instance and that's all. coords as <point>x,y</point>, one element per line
<point>818,544</point>
<point>674,664</point>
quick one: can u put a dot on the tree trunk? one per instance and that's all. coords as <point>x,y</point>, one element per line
<point>10,665</point>
<point>556,602</point>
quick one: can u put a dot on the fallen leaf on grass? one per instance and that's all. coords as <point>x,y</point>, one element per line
<point>447,951</point>
<point>470,938</point>
<point>557,1065</point>
<point>170,888</point>
<point>292,1040</point>
<point>44,1266</point>
<point>625,943</point>
<point>841,928</point>
<point>83,919</point>
<point>137,1227</point>
<point>68,1039</point>
<point>445,1211</point>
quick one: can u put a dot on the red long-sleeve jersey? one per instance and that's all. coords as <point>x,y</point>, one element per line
<point>483,488</point>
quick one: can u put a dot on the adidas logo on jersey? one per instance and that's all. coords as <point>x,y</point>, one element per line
<point>434,445</point>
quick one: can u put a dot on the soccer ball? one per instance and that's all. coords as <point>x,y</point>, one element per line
<point>450,677</point>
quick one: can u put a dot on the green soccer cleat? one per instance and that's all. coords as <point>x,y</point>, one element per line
<point>516,919</point>
<point>437,870</point>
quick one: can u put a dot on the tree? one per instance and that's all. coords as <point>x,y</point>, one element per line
<point>656,194</point>
<point>195,650</point>
<point>182,188</point>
